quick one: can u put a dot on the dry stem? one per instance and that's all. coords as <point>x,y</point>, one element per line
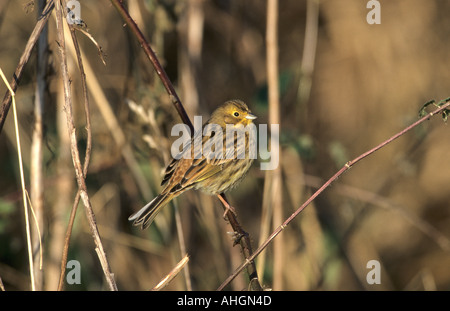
<point>86,158</point>
<point>42,21</point>
<point>36,167</point>
<point>22,181</point>
<point>75,154</point>
<point>275,192</point>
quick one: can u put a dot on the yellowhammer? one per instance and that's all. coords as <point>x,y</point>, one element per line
<point>215,168</point>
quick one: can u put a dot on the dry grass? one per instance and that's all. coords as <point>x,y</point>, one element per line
<point>367,83</point>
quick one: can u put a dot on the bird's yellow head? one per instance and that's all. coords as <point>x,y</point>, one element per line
<point>233,112</point>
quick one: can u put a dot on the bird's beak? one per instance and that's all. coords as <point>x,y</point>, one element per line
<point>250,116</point>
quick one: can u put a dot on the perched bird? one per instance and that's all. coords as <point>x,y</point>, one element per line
<point>212,168</point>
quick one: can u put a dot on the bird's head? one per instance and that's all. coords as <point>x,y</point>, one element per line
<point>233,112</point>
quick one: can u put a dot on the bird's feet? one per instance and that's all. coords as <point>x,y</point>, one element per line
<point>237,236</point>
<point>228,207</point>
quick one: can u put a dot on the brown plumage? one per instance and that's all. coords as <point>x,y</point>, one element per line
<point>211,171</point>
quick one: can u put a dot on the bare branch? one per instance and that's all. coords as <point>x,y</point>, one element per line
<point>173,273</point>
<point>86,158</point>
<point>42,21</point>
<point>75,154</point>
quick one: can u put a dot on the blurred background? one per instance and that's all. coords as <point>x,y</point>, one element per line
<point>345,86</point>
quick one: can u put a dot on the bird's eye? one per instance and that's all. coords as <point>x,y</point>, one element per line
<point>236,114</point>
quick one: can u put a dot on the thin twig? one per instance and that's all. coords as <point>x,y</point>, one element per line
<point>107,112</point>
<point>22,181</point>
<point>69,228</point>
<point>75,153</point>
<point>244,239</point>
<point>155,62</point>
<point>441,109</point>
<point>87,154</point>
<point>173,273</point>
<point>39,258</point>
<point>42,21</point>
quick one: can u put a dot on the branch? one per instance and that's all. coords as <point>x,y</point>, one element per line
<point>173,273</point>
<point>74,150</point>
<point>442,107</point>
<point>155,62</point>
<point>42,21</point>
<point>87,154</point>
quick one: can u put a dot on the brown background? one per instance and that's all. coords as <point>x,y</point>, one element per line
<point>368,83</point>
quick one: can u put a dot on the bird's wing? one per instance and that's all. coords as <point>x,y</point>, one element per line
<point>200,170</point>
<point>197,162</point>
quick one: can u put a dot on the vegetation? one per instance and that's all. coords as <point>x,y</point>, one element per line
<point>94,151</point>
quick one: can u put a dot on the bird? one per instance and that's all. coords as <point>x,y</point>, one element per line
<point>209,171</point>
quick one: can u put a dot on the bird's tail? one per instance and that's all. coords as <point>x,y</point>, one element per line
<point>147,214</point>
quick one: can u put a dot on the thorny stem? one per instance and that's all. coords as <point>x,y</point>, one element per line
<point>245,240</point>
